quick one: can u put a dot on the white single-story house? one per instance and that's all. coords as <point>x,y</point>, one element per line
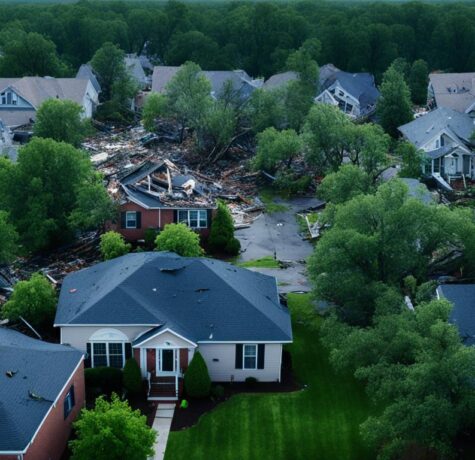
<point>160,308</point>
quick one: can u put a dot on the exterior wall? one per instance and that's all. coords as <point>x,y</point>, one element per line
<point>222,370</point>
<point>159,341</point>
<point>50,442</point>
<point>184,359</point>
<point>78,336</point>
<point>90,101</point>
<point>151,360</point>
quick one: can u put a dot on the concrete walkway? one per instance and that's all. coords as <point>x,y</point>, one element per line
<point>161,424</point>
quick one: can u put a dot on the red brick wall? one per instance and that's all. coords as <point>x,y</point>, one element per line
<point>137,355</point>
<point>50,442</point>
<point>151,362</point>
<point>184,359</point>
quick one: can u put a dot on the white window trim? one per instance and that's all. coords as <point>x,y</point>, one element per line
<point>69,401</point>
<point>127,219</point>
<point>92,342</point>
<point>244,356</point>
<point>188,217</point>
<point>159,361</point>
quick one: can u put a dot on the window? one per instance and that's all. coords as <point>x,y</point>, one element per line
<point>193,218</point>
<point>8,98</point>
<point>249,357</point>
<point>130,219</point>
<point>69,402</point>
<point>108,354</point>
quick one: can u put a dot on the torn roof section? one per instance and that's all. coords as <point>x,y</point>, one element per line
<point>155,185</point>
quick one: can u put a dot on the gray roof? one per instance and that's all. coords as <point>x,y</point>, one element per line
<point>136,71</point>
<point>453,90</point>
<point>41,368</point>
<point>418,190</point>
<point>199,297</point>
<point>462,297</point>
<point>241,82</point>
<point>86,72</point>
<point>423,129</point>
<point>280,79</point>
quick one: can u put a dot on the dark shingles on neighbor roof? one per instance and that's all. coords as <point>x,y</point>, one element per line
<point>41,368</point>
<point>423,129</point>
<point>463,313</point>
<point>198,296</point>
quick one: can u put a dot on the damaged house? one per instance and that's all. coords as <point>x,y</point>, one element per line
<point>155,194</point>
<point>454,91</point>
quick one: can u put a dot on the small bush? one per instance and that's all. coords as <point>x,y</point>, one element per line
<point>132,376</point>
<point>233,247</point>
<point>289,183</point>
<point>197,380</point>
<point>221,237</point>
<point>103,380</point>
<point>113,245</point>
<point>251,381</point>
<point>217,391</point>
<point>149,237</point>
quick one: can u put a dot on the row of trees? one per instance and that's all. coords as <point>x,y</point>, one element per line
<point>380,246</point>
<point>257,37</point>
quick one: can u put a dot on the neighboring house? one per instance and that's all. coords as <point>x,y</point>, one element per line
<point>454,91</point>
<point>86,72</point>
<point>354,93</point>
<point>154,195</point>
<point>7,149</point>
<point>137,72</point>
<point>279,80</point>
<point>41,394</point>
<point>21,97</point>
<point>462,296</point>
<point>242,84</point>
<point>444,136</point>
<point>160,308</point>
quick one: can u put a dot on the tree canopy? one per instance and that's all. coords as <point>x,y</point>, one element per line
<point>113,245</point>
<point>180,239</point>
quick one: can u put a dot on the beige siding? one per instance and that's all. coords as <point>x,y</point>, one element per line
<point>78,336</point>
<point>160,341</point>
<point>222,370</point>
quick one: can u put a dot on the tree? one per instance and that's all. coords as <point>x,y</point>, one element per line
<point>412,160</point>
<point>221,237</point>
<point>132,377</point>
<point>418,79</point>
<point>34,300</point>
<point>8,239</point>
<point>197,381</point>
<point>266,109</point>
<point>276,149</point>
<point>42,190</point>
<point>112,431</point>
<point>180,239</point>
<point>394,104</point>
<point>154,107</point>
<point>29,54</point>
<point>113,245</point>
<point>343,185</point>
<point>193,46</point>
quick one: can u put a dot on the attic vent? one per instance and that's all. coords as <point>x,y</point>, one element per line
<point>201,289</point>
<point>10,373</point>
<point>430,129</point>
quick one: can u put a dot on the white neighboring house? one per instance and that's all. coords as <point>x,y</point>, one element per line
<point>21,97</point>
<point>444,135</point>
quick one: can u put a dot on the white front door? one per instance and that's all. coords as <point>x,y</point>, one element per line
<point>167,360</point>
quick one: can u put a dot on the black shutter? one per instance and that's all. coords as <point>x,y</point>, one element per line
<point>128,351</point>
<point>261,351</point>
<point>87,358</point>
<point>209,215</point>
<point>122,220</point>
<point>65,408</point>
<point>138,215</point>
<point>238,356</point>
<point>175,216</point>
<point>73,398</point>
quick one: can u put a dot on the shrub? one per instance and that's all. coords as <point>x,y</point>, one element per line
<point>221,237</point>
<point>113,245</point>
<point>426,291</point>
<point>103,380</point>
<point>180,239</point>
<point>289,183</point>
<point>410,285</point>
<point>233,247</point>
<point>149,237</point>
<point>197,380</point>
<point>217,391</point>
<point>251,381</point>
<point>132,376</point>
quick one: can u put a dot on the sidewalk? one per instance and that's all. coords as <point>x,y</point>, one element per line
<point>162,423</point>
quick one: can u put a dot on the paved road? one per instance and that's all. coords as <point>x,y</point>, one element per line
<point>278,234</point>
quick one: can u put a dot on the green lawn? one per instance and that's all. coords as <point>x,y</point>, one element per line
<point>263,262</point>
<point>319,423</point>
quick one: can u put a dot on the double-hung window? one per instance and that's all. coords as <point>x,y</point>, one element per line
<point>69,402</point>
<point>249,357</point>
<point>108,354</point>
<point>194,218</point>
<point>130,219</point>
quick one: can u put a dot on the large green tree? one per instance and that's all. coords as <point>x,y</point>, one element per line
<point>112,431</point>
<point>418,80</point>
<point>61,120</point>
<point>394,104</point>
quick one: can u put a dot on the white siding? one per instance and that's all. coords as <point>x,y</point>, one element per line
<point>160,341</point>
<point>222,370</point>
<point>78,336</point>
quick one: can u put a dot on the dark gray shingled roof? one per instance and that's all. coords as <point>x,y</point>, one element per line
<point>463,314</point>
<point>200,297</point>
<point>423,129</point>
<point>41,368</point>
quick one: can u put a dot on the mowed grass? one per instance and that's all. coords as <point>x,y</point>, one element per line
<point>263,262</point>
<point>318,423</point>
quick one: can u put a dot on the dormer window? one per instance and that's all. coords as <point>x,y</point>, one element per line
<point>8,98</point>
